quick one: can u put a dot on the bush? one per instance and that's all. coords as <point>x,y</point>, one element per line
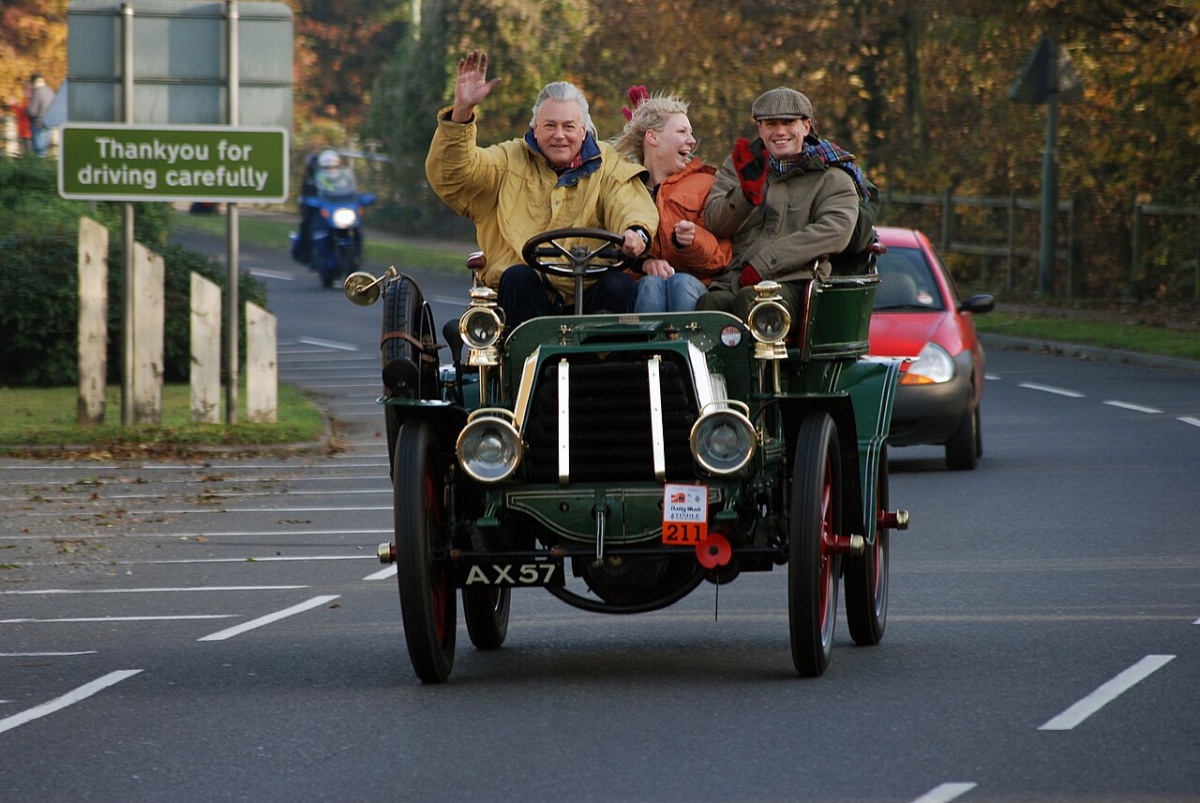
<point>39,306</point>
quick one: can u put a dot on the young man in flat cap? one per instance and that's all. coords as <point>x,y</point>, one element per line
<point>784,202</point>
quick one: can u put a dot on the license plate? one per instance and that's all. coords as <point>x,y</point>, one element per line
<point>533,574</point>
<point>685,514</point>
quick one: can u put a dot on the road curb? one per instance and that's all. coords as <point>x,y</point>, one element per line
<point>1080,352</point>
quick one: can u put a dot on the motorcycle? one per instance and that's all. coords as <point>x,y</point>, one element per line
<point>332,225</point>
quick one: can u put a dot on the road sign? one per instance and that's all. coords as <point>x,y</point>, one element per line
<point>173,163</point>
<point>176,57</point>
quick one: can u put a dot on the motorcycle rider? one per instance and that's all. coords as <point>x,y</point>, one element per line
<point>314,176</point>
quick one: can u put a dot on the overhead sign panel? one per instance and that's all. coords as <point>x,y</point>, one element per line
<point>192,163</point>
<point>179,62</point>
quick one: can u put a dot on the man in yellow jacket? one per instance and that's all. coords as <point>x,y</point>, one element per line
<point>559,175</point>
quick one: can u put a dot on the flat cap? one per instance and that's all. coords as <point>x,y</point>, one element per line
<point>781,103</point>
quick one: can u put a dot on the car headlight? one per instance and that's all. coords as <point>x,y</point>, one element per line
<point>933,366</point>
<point>489,448</point>
<point>722,439</point>
<point>480,327</point>
<point>344,218</point>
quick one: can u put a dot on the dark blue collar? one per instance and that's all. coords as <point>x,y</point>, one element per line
<point>590,152</point>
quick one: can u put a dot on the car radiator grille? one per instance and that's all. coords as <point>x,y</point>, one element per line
<point>611,428</point>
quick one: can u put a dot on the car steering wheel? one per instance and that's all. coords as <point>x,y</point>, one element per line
<point>544,252</point>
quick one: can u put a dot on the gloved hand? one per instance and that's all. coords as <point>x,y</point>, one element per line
<point>638,94</point>
<point>751,166</point>
<point>749,276</point>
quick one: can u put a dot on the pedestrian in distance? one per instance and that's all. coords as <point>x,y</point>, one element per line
<point>40,98</point>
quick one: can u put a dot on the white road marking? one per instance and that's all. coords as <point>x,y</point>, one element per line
<point>272,274</point>
<point>329,344</point>
<point>177,536</point>
<point>119,618</point>
<point>70,698</point>
<point>46,655</point>
<point>315,602</point>
<point>247,559</point>
<point>373,385</point>
<point>1106,693</point>
<point>390,571</point>
<point>1048,389</point>
<point>1195,422</point>
<point>991,377</point>
<point>148,590</point>
<point>1137,408</point>
<point>945,793</point>
<point>274,511</point>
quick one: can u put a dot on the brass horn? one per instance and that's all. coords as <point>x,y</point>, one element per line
<point>363,288</point>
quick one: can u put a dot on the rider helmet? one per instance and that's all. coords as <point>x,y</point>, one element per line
<point>328,158</point>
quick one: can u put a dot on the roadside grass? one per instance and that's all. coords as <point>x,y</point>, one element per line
<point>1109,334</point>
<point>44,419</point>
<point>270,232</point>
<point>41,420</point>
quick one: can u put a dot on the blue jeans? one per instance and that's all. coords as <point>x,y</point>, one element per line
<point>41,140</point>
<point>679,293</point>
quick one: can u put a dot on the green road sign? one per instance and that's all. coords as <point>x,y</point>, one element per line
<point>173,163</point>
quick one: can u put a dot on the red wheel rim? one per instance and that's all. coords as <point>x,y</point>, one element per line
<point>827,535</point>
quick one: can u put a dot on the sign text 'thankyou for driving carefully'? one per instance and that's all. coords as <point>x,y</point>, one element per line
<point>193,163</point>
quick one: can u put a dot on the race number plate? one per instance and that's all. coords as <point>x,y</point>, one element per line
<point>685,514</point>
<point>534,573</point>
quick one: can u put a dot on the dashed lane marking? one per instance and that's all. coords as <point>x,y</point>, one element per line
<point>1048,389</point>
<point>70,698</point>
<point>315,602</point>
<point>1107,693</point>
<point>945,793</point>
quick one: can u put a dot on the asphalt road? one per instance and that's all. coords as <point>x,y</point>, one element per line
<point>220,630</point>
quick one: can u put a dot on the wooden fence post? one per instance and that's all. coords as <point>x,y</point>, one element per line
<point>148,319</point>
<point>262,380</point>
<point>93,322</point>
<point>205,373</point>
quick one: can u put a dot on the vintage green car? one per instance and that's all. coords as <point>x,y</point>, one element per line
<point>618,461</point>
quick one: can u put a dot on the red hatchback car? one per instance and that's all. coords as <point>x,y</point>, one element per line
<point>918,313</point>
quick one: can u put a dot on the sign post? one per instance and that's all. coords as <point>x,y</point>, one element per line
<point>180,63</point>
<point>1050,78</point>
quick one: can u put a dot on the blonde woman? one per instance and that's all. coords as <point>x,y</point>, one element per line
<point>684,256</point>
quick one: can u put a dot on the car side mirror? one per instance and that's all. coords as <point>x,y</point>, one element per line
<point>979,303</point>
<point>367,198</point>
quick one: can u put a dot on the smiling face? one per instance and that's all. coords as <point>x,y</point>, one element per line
<point>559,131</point>
<point>784,138</point>
<point>670,150</point>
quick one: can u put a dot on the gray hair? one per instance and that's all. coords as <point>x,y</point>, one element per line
<point>650,115</point>
<point>565,92</point>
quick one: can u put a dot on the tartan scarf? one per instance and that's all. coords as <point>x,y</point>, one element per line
<point>822,152</point>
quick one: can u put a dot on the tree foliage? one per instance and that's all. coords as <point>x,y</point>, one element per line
<point>918,89</point>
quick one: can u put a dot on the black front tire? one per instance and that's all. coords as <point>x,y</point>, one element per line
<point>486,610</point>
<point>428,602</point>
<point>814,569</point>
<point>964,446</point>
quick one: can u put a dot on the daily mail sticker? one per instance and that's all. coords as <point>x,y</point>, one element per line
<point>685,514</point>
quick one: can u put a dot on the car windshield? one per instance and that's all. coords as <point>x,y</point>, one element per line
<point>906,282</point>
<point>336,184</point>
